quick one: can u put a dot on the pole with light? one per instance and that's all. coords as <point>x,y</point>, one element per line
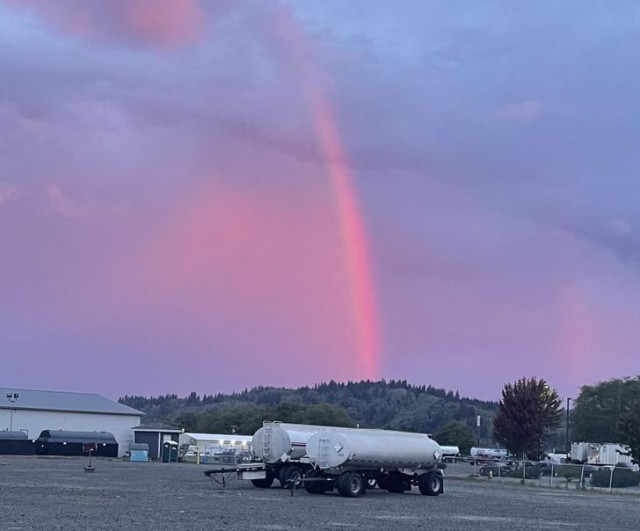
<point>12,398</point>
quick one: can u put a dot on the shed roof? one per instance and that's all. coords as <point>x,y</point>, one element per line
<point>217,436</point>
<point>157,427</point>
<point>78,436</point>
<point>29,399</point>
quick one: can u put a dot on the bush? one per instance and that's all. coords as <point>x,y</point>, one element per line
<point>532,471</point>
<point>622,477</point>
<point>569,472</point>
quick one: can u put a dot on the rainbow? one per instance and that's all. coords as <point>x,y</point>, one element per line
<point>352,227</point>
<point>354,239</point>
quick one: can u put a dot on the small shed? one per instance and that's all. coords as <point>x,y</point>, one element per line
<point>62,442</point>
<point>16,443</point>
<point>155,435</point>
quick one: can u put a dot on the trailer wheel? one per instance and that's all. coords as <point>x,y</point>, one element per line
<point>289,477</point>
<point>318,486</point>
<point>351,485</point>
<point>398,483</point>
<point>430,484</point>
<point>383,481</point>
<point>263,483</point>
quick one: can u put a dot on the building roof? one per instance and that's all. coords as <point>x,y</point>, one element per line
<point>217,436</point>
<point>29,399</point>
<point>157,426</point>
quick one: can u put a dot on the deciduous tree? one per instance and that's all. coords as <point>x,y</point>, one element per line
<point>528,410</point>
<point>597,411</point>
<point>455,433</point>
<point>629,429</point>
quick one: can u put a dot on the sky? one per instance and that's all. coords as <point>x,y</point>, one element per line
<point>212,195</point>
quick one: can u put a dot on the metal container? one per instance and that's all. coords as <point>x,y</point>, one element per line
<point>278,441</point>
<point>372,449</point>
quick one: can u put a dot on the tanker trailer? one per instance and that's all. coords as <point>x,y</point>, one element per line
<point>351,458</point>
<point>280,446</point>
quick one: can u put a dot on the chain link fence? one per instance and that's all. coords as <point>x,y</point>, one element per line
<point>549,474</point>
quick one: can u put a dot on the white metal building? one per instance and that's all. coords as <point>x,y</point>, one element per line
<point>35,411</point>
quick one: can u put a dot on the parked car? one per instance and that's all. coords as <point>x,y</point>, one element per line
<point>497,468</point>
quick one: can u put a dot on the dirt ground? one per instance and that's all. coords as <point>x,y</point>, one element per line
<point>56,493</point>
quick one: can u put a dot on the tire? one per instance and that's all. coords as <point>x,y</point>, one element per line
<point>289,475</point>
<point>317,486</point>
<point>383,481</point>
<point>262,483</point>
<point>398,483</point>
<point>371,483</point>
<point>351,485</point>
<point>430,484</point>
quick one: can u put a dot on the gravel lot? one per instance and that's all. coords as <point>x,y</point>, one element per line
<point>56,493</point>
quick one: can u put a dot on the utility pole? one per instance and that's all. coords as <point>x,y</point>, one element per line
<point>12,398</point>
<point>568,442</point>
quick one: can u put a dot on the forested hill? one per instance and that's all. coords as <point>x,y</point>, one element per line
<point>393,405</point>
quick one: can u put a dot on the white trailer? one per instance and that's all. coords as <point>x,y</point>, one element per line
<point>281,452</point>
<point>600,453</point>
<point>450,453</point>
<point>488,453</point>
<point>282,447</point>
<point>614,453</point>
<point>352,459</point>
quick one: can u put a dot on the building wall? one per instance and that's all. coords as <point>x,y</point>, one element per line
<point>35,421</point>
<point>155,440</point>
<point>150,438</point>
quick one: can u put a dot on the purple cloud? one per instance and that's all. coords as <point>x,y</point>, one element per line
<point>164,201</point>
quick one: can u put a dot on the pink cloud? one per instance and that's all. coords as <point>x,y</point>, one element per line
<point>249,268</point>
<point>165,24</point>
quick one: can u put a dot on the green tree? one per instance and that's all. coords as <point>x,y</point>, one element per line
<point>597,410</point>
<point>187,421</point>
<point>328,415</point>
<point>394,405</point>
<point>629,429</point>
<point>455,433</point>
<point>527,411</point>
<point>243,420</point>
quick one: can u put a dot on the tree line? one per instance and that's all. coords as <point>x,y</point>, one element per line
<point>528,419</point>
<point>394,404</point>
